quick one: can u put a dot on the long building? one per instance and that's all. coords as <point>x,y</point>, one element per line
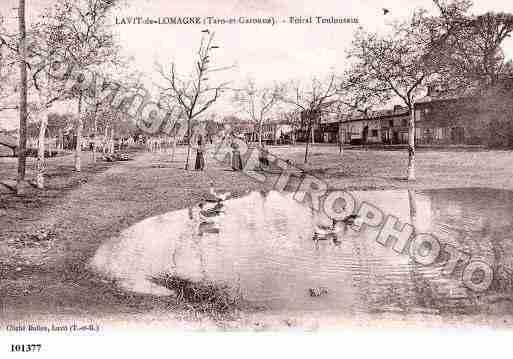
<point>478,120</point>
<point>385,126</point>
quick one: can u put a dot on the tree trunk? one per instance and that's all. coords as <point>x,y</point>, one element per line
<point>411,145</point>
<point>104,141</point>
<point>61,140</point>
<point>308,143</point>
<point>413,206</point>
<point>173,150</point>
<point>20,182</point>
<point>111,141</point>
<point>40,164</point>
<point>413,221</point>
<point>95,129</point>
<point>260,125</point>
<point>78,149</point>
<point>313,135</point>
<point>188,143</point>
<point>340,142</point>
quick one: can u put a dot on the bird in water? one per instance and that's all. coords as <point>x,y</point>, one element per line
<point>322,232</point>
<point>352,219</point>
<point>219,196</point>
<point>208,214</point>
<point>209,218</point>
<point>317,292</point>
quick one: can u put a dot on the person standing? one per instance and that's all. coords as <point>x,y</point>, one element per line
<point>262,157</point>
<point>200,159</point>
<point>236,159</point>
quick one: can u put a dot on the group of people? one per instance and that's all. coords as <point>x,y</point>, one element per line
<point>236,159</point>
<point>106,145</point>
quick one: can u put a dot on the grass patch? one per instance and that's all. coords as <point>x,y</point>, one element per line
<point>204,297</point>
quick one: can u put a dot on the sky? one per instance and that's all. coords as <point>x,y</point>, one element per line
<point>264,52</point>
<point>267,53</point>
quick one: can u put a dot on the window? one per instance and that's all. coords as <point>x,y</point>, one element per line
<point>374,133</point>
<point>439,133</point>
<point>418,115</point>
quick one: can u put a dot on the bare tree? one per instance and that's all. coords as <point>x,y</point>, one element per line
<point>257,103</point>
<point>23,98</point>
<point>172,126</point>
<point>194,94</point>
<point>293,119</point>
<point>454,50</point>
<point>108,102</point>
<point>477,58</point>
<point>38,48</point>
<point>44,90</point>
<point>57,124</point>
<point>395,65</point>
<point>469,45</point>
<point>311,100</point>
<point>29,52</point>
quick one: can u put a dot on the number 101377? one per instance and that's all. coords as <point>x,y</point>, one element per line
<point>25,348</point>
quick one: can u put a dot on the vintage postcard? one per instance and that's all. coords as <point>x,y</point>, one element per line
<point>244,166</point>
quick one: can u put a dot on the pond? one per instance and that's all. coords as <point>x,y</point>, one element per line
<point>262,246</point>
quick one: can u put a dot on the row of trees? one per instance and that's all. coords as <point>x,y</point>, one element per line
<point>72,42</point>
<point>72,36</point>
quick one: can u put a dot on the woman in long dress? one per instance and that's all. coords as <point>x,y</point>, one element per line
<point>262,157</point>
<point>200,159</point>
<point>236,159</point>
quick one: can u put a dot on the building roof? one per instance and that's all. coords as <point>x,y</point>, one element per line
<point>379,114</point>
<point>431,99</point>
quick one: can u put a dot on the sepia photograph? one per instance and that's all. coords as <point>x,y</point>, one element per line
<point>293,170</point>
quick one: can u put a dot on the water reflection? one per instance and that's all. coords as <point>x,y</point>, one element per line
<point>262,247</point>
